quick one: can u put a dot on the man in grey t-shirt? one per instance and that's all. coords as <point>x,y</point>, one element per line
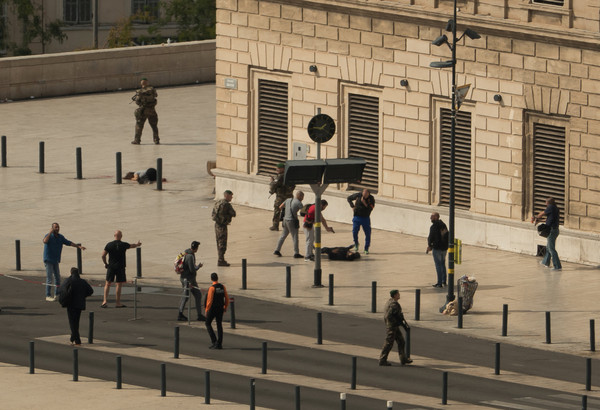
<point>291,224</point>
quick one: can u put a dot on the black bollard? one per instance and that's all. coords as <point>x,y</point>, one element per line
<point>319,328</point>
<point>460,312</point>
<point>79,261</point>
<point>138,257</point>
<point>373,297</point>
<point>353,380</point>
<point>176,347</point>
<point>252,394</point>
<point>207,387</point>
<point>445,388</point>
<point>264,358</point>
<point>18,253</point>
<point>584,402</point>
<point>119,179</point>
<point>79,163</point>
<point>497,361</point>
<point>232,310</point>
<point>407,347</point>
<point>159,174</point>
<point>343,401</point>
<point>504,320</point>
<point>297,396</point>
<point>91,328</point>
<point>42,164</point>
<point>288,281</point>
<point>119,373</point>
<point>592,335</point>
<point>417,304</point>
<point>244,269</point>
<point>4,151</point>
<point>588,374</point>
<point>331,289</point>
<point>163,379</point>
<point>548,331</point>
<point>31,357</point>
<point>75,365</point>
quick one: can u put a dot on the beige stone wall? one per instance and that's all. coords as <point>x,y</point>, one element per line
<point>106,70</point>
<point>550,69</point>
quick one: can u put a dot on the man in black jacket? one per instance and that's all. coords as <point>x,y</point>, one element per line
<point>437,244</point>
<point>362,203</point>
<point>75,303</point>
<point>189,273</point>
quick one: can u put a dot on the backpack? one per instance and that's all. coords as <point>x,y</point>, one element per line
<point>217,214</point>
<point>66,294</point>
<point>304,209</point>
<point>178,263</point>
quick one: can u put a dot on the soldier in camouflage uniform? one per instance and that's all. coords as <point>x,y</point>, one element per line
<point>282,192</point>
<point>145,98</point>
<point>222,214</point>
<point>394,318</point>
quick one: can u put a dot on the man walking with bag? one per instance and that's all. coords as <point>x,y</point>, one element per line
<point>188,276</point>
<point>291,224</point>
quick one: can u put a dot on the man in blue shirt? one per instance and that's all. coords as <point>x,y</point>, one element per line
<point>53,243</point>
<point>552,215</point>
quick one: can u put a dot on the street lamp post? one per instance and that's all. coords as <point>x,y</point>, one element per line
<point>443,39</point>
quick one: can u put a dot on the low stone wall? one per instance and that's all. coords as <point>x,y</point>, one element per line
<point>80,72</point>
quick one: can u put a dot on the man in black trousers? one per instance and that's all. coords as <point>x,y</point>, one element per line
<point>217,301</point>
<point>75,291</point>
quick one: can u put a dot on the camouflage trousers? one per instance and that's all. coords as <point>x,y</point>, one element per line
<point>141,115</point>
<point>393,334</point>
<point>277,211</point>
<point>221,234</point>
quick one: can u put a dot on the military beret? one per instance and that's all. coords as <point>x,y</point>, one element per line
<point>228,192</point>
<point>393,292</point>
<point>281,165</point>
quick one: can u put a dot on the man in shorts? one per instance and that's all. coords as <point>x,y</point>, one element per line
<point>115,267</point>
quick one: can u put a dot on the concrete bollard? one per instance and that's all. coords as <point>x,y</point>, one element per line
<point>244,272</point>
<point>4,151</point>
<point>207,387</point>
<point>163,379</point>
<point>445,388</point>
<point>588,374</point>
<point>504,320</point>
<point>288,281</point>
<point>319,328</point>
<point>119,373</point>
<point>232,312</point>
<point>264,358</point>
<point>138,259</point>
<point>373,297</point>
<point>460,312</point>
<point>548,330</point>
<point>331,289</point>
<point>353,379</point>
<point>417,304</point>
<point>79,261</point>
<point>390,405</point>
<point>75,364</point>
<point>18,254</point>
<point>176,345</point>
<point>592,335</point>
<point>343,401</point>
<point>91,328</point>
<point>119,173</point>
<point>31,357</point>
<point>497,360</point>
<point>159,174</point>
<point>79,164</point>
<point>297,397</point>
<point>42,162</point>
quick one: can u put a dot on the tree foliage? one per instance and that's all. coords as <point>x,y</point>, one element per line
<point>195,19</point>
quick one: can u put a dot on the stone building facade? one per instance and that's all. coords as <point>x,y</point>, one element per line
<point>528,128</point>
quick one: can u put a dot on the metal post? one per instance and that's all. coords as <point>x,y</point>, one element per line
<point>252,394</point>
<point>41,157</point>
<point>138,257</point>
<point>159,174</point>
<point>497,361</point>
<point>119,170</point>
<point>353,380</point>
<point>592,335</point>
<point>79,261</point>
<point>31,357</point>
<point>319,328</point>
<point>460,312</point>
<point>343,401</point>
<point>297,396</point>
<point>163,379</point>
<point>207,387</point>
<point>91,328</point>
<point>373,297</point>
<point>264,358</point>
<point>331,289</point>
<point>244,269</point>
<point>95,19</point>
<point>119,373</point>
<point>75,364</point>
<point>407,347</point>
<point>4,151</point>
<point>548,333</point>
<point>18,253</point>
<point>588,374</point>
<point>504,320</point>
<point>390,405</point>
<point>288,281</point>
<point>135,292</point>
<point>417,304</point>
<point>189,298</point>
<point>232,310</point>
<point>445,388</point>
<point>78,160</point>
<point>584,402</point>
<point>176,346</point>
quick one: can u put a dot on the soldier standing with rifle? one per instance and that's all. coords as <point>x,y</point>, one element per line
<point>282,192</point>
<point>145,98</point>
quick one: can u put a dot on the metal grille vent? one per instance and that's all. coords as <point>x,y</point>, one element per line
<point>548,167</point>
<point>462,144</point>
<point>272,125</point>
<point>551,2</point>
<point>363,138</point>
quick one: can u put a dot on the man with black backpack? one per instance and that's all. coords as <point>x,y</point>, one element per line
<point>189,274</point>
<point>217,301</point>
<point>437,243</point>
<point>74,290</point>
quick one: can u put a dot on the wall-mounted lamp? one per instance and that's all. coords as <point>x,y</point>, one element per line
<point>404,83</point>
<point>312,68</point>
<point>497,98</point>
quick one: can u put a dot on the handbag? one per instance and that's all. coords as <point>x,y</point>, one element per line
<point>543,230</point>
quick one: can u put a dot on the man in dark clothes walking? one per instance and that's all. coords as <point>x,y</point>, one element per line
<point>115,266</point>
<point>394,318</point>
<point>217,301</point>
<point>75,303</point>
<point>189,273</point>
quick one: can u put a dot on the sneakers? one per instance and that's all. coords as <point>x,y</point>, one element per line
<point>50,298</point>
<point>277,253</point>
<point>366,251</point>
<point>310,258</point>
<point>356,247</point>
<point>223,263</point>
<point>298,256</point>
<point>181,317</point>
